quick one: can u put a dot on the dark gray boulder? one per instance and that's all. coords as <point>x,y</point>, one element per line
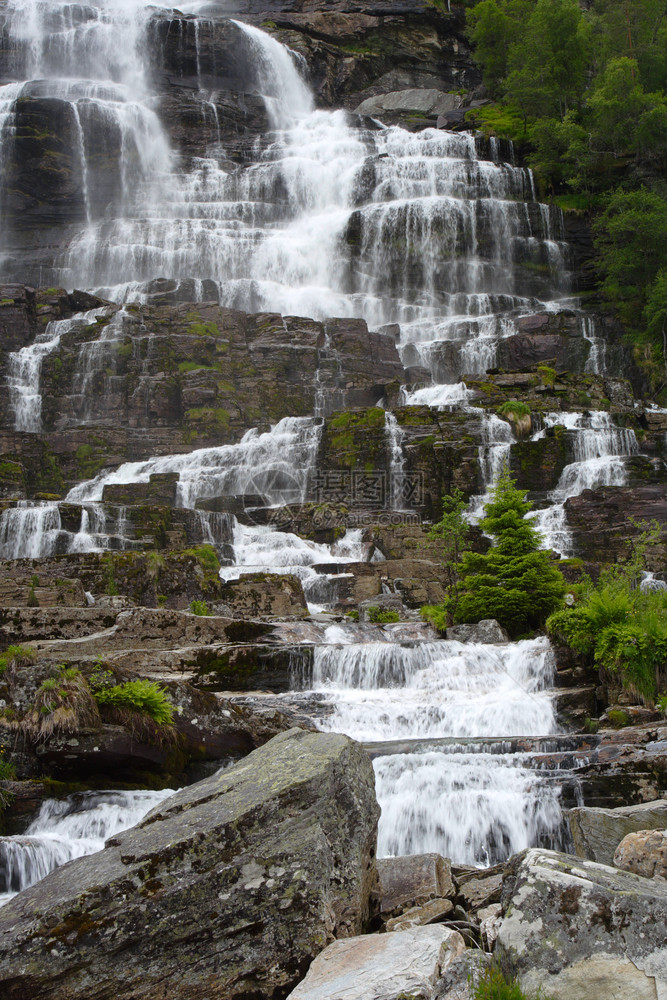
<point>228,889</point>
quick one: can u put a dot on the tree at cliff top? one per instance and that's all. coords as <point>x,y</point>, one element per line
<point>582,91</point>
<point>515,581</point>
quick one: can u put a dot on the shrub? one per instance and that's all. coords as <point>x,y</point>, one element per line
<point>139,696</point>
<point>63,703</point>
<point>493,984</point>
<point>547,374</point>
<point>19,655</point>
<point>514,408</point>
<point>378,616</point>
<point>199,608</point>
<point>206,556</point>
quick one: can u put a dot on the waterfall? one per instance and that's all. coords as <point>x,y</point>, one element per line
<point>69,828</point>
<point>600,449</point>
<point>473,806</point>
<point>25,367</point>
<point>329,216</point>
<point>397,480</point>
<point>477,809</point>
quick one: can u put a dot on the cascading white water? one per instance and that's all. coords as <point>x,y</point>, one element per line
<point>69,828</point>
<point>477,809</point>
<point>25,366</point>
<point>385,691</point>
<point>275,464</point>
<point>331,219</point>
<point>471,806</point>
<point>397,481</point>
<point>600,449</point>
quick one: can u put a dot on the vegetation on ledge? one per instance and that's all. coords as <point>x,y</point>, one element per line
<point>514,582</point>
<point>620,627</point>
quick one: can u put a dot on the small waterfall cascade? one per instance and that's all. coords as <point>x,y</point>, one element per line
<point>600,449</point>
<point>69,828</point>
<point>397,480</point>
<point>469,804</point>
<point>276,464</point>
<point>23,380</point>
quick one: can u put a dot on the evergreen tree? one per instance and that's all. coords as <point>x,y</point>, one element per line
<point>515,581</point>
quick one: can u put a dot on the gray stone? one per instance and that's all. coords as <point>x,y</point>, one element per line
<point>459,980</point>
<point>490,919</point>
<point>644,853</point>
<point>413,880</point>
<point>488,630</point>
<point>382,966</point>
<point>581,930</point>
<point>229,888</point>
<point>433,912</point>
<point>596,833</point>
<point>430,102</point>
<point>481,892</point>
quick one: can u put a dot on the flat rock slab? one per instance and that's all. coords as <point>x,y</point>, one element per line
<point>433,912</point>
<point>404,964</point>
<point>228,889</point>
<point>584,931</point>
<point>430,102</point>
<point>413,880</point>
<point>596,833</point>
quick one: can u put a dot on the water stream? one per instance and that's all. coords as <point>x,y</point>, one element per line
<point>333,217</point>
<point>68,828</point>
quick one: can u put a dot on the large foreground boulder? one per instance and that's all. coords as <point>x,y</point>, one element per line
<point>227,889</point>
<point>582,931</point>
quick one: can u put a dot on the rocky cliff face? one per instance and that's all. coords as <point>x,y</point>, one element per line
<point>219,464</point>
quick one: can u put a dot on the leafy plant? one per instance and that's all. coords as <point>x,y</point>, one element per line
<point>617,626</point>
<point>140,696</point>
<point>199,608</point>
<point>380,616</point>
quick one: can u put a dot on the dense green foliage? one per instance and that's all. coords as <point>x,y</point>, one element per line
<point>619,627</point>
<point>493,984</point>
<point>382,616</point>
<point>199,608</point>
<point>140,696</point>
<point>451,531</point>
<point>515,581</point>
<point>581,90</point>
